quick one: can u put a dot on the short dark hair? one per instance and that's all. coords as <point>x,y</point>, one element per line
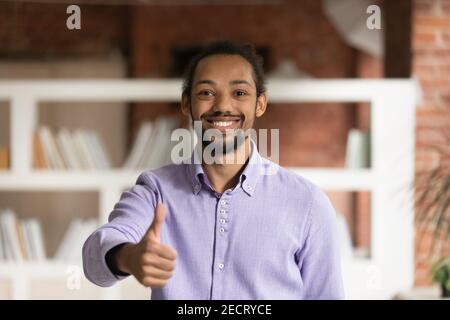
<point>246,51</point>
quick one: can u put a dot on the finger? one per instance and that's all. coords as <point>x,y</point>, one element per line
<point>154,231</point>
<point>161,263</point>
<point>157,273</point>
<point>151,282</point>
<point>164,251</point>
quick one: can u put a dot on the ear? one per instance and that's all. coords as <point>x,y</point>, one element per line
<point>261,104</point>
<point>185,105</point>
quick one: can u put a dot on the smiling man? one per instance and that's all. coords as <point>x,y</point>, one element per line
<point>240,230</point>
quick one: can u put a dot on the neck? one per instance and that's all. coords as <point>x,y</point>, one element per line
<point>224,175</point>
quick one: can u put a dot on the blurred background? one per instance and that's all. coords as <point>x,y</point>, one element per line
<point>48,205</point>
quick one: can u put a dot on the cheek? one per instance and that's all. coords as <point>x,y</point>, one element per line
<point>249,118</point>
<point>199,108</point>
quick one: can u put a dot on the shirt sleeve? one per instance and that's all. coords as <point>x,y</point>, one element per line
<point>319,259</point>
<point>127,223</point>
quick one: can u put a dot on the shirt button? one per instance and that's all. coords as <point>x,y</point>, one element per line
<point>221,266</point>
<point>197,188</point>
<point>222,211</point>
<point>222,221</point>
<point>249,187</point>
<point>223,202</point>
<point>222,230</point>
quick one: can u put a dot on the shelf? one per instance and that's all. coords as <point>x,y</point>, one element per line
<point>67,180</point>
<point>36,269</point>
<point>327,178</point>
<point>279,90</point>
<point>338,179</point>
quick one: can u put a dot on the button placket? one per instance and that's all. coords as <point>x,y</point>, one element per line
<point>221,245</point>
<point>223,211</point>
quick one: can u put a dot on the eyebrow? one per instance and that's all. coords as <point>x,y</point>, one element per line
<point>232,82</point>
<point>240,82</point>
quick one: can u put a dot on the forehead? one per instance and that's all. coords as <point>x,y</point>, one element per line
<point>223,67</point>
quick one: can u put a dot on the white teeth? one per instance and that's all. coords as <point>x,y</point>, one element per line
<point>222,123</point>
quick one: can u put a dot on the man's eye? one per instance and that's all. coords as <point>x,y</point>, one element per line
<point>241,93</point>
<point>205,93</point>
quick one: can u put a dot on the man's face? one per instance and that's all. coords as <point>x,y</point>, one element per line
<point>224,97</point>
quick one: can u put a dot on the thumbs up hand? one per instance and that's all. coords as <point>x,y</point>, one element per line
<point>154,231</point>
<point>149,261</point>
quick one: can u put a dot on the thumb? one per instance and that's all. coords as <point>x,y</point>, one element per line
<point>154,231</point>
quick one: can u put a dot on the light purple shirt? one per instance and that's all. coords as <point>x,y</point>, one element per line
<point>273,236</point>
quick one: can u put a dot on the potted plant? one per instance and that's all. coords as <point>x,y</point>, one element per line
<point>432,201</point>
<point>441,274</point>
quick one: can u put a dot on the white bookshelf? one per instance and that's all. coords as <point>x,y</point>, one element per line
<point>389,270</point>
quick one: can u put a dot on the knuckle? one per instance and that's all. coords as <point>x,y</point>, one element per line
<point>147,258</point>
<point>148,281</point>
<point>144,282</point>
<point>150,246</point>
<point>152,282</point>
<point>142,260</point>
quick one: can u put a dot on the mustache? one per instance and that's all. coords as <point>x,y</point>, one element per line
<point>221,114</point>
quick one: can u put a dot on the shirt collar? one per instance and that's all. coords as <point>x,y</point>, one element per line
<point>247,180</point>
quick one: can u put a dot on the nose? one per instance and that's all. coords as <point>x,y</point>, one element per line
<point>222,104</point>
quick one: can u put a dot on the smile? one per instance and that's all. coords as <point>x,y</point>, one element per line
<point>222,124</point>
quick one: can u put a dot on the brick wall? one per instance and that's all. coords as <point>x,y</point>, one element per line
<point>38,30</point>
<point>431,65</point>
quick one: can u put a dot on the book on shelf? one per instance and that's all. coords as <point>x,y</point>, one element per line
<point>20,239</point>
<point>358,149</point>
<point>4,158</point>
<point>68,149</point>
<point>50,148</point>
<point>65,149</point>
<point>82,147</point>
<point>152,146</point>
<point>70,248</point>
<point>139,145</point>
<point>40,160</point>
<point>97,149</point>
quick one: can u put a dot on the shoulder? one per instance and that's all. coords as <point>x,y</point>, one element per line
<point>303,189</point>
<point>277,176</point>
<point>168,174</point>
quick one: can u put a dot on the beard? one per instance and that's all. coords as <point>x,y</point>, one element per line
<point>229,142</point>
<point>237,135</point>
